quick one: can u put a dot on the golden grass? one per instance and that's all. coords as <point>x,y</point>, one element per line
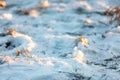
<point>114,13</point>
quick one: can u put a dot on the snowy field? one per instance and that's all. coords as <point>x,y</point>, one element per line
<point>68,40</point>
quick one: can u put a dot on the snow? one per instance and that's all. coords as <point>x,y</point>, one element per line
<point>58,39</point>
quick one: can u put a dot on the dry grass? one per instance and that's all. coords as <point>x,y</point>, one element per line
<point>113,13</point>
<point>2,4</point>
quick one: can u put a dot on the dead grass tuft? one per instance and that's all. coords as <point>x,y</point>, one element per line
<point>2,4</point>
<point>113,13</point>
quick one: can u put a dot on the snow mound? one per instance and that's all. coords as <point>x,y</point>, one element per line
<point>13,41</point>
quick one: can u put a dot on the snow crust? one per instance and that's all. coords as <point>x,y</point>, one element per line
<point>67,40</point>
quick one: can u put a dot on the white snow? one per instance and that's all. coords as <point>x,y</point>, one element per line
<point>46,40</point>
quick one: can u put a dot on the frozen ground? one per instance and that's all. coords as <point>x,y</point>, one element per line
<point>70,40</point>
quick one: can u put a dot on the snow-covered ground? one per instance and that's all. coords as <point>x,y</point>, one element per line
<point>69,40</point>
